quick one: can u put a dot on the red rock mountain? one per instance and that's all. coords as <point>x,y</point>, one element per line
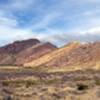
<point>18,46</point>
<point>34,53</point>
<point>20,52</point>
<point>73,54</point>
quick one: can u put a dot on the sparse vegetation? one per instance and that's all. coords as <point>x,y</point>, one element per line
<point>49,86</point>
<point>82,87</point>
<point>5,83</point>
<point>97,82</point>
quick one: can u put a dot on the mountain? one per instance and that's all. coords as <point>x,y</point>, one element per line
<point>34,53</point>
<point>20,52</point>
<point>73,55</point>
<point>18,46</point>
<point>55,55</point>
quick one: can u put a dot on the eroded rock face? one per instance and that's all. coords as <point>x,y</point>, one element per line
<point>18,46</point>
<point>20,52</point>
<point>34,52</point>
<point>83,54</point>
<point>73,54</point>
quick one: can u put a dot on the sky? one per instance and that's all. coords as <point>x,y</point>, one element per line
<point>57,21</point>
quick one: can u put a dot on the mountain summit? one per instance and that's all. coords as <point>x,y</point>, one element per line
<point>18,46</point>
<point>21,52</point>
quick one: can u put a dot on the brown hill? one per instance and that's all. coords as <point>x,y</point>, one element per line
<point>74,54</point>
<point>34,52</point>
<point>18,46</point>
<point>8,52</point>
<point>20,52</point>
<point>55,55</point>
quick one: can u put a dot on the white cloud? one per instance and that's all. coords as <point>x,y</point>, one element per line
<point>9,34</point>
<point>46,20</point>
<point>91,31</point>
<point>7,22</point>
<point>10,31</point>
<point>84,24</point>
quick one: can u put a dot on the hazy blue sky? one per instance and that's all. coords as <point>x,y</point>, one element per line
<point>58,21</point>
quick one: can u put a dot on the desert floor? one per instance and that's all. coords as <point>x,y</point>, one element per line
<point>27,84</point>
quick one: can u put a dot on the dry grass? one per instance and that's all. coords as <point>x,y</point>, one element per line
<point>61,85</point>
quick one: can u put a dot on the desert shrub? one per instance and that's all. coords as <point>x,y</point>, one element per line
<point>57,96</point>
<point>19,83</point>
<point>30,83</point>
<point>82,87</point>
<point>5,83</point>
<point>7,98</point>
<point>97,82</point>
<point>52,81</point>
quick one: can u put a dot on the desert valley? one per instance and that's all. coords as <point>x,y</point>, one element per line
<point>33,70</point>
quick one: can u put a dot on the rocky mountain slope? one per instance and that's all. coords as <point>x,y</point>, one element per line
<point>18,46</point>
<point>20,52</point>
<point>74,54</point>
<point>34,53</point>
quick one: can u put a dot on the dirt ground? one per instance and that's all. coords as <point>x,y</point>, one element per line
<point>30,85</point>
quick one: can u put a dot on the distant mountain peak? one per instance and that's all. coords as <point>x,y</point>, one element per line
<point>18,46</point>
<point>20,52</point>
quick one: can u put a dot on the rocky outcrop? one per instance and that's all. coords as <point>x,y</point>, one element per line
<point>34,53</point>
<point>24,51</point>
<point>18,46</point>
<point>73,54</point>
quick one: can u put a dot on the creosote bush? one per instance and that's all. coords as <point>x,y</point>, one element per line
<point>97,82</point>
<point>82,87</point>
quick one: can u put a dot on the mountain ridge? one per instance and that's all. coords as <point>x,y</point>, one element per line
<point>74,55</point>
<point>10,54</point>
